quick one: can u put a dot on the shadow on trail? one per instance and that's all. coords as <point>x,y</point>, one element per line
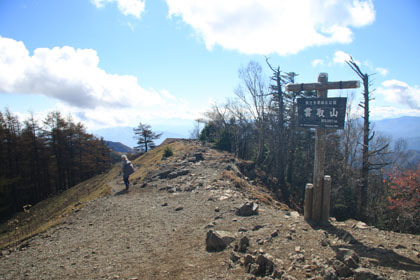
<point>382,256</point>
<point>124,191</point>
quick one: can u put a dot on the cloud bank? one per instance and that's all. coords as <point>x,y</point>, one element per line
<point>272,26</point>
<point>73,77</point>
<point>400,92</point>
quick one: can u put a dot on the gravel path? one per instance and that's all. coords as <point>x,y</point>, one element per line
<point>158,229</point>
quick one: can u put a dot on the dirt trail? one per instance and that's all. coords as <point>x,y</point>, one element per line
<point>158,229</point>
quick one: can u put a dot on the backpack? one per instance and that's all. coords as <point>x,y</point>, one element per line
<point>128,168</point>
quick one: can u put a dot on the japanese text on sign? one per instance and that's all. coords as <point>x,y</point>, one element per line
<point>322,112</point>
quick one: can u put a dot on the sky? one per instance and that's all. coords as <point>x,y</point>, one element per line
<point>114,63</point>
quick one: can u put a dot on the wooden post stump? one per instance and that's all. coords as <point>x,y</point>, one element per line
<point>326,198</point>
<point>308,202</point>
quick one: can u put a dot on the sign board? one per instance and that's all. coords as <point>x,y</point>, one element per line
<point>322,112</point>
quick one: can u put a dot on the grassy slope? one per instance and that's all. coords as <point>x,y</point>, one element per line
<point>49,212</point>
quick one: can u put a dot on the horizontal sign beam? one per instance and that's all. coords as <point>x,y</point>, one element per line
<point>323,86</point>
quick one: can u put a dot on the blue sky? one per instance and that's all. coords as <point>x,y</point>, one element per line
<point>165,62</point>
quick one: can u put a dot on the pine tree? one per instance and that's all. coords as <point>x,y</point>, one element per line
<point>145,137</point>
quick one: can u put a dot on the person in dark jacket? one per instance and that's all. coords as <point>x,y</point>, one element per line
<point>127,169</point>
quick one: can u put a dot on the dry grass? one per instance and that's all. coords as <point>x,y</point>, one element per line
<point>49,212</point>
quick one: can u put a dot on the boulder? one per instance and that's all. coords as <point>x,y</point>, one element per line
<point>218,240</point>
<point>176,174</point>
<point>196,158</point>
<point>266,264</point>
<point>247,209</point>
<point>348,257</point>
<point>242,245</point>
<point>341,269</point>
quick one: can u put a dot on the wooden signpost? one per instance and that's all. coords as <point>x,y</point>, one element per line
<point>323,114</point>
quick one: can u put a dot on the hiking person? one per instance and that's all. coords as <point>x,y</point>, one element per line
<point>127,169</point>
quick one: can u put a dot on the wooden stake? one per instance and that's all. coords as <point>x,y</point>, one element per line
<point>309,189</point>
<point>326,198</point>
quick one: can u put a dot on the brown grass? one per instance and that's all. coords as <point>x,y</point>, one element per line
<point>49,212</point>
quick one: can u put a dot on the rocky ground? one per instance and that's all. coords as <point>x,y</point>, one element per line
<point>197,216</point>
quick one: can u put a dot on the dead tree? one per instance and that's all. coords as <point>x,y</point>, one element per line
<point>367,138</point>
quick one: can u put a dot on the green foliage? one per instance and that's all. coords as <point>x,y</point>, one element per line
<point>209,133</point>
<point>224,142</point>
<point>40,160</point>
<point>167,152</point>
<point>145,137</point>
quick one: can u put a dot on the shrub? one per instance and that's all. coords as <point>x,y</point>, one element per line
<point>167,152</point>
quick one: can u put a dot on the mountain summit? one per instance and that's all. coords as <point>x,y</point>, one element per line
<point>202,214</point>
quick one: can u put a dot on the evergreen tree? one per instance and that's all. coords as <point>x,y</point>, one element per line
<point>145,137</point>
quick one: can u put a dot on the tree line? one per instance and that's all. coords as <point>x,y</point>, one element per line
<point>40,159</point>
<point>261,124</point>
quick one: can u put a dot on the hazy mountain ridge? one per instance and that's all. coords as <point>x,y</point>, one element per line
<point>125,135</point>
<point>119,147</point>
<point>407,128</point>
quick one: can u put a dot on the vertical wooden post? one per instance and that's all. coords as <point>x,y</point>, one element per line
<point>308,202</point>
<point>319,160</point>
<point>326,195</point>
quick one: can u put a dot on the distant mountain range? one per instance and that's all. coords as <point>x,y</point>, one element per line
<point>119,147</point>
<point>125,135</point>
<point>407,128</point>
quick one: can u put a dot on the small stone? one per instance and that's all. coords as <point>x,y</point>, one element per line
<point>278,274</point>
<point>179,208</point>
<point>365,274</point>
<point>361,225</point>
<point>165,204</point>
<point>234,257</point>
<point>288,277</point>
<point>257,227</point>
<point>253,268</point>
<point>248,259</point>
<point>275,233</point>
<point>217,209</point>
<point>330,274</point>
<point>243,244</point>
<point>212,224</point>
<point>189,189</point>
<point>341,269</point>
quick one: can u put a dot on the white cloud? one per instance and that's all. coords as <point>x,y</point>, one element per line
<point>127,7</point>
<point>317,62</point>
<point>68,74</point>
<point>272,26</point>
<point>401,93</point>
<point>382,71</point>
<point>73,77</point>
<point>341,57</point>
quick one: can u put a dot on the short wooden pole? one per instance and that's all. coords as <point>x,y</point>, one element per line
<point>308,202</point>
<point>326,194</point>
<point>317,200</point>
